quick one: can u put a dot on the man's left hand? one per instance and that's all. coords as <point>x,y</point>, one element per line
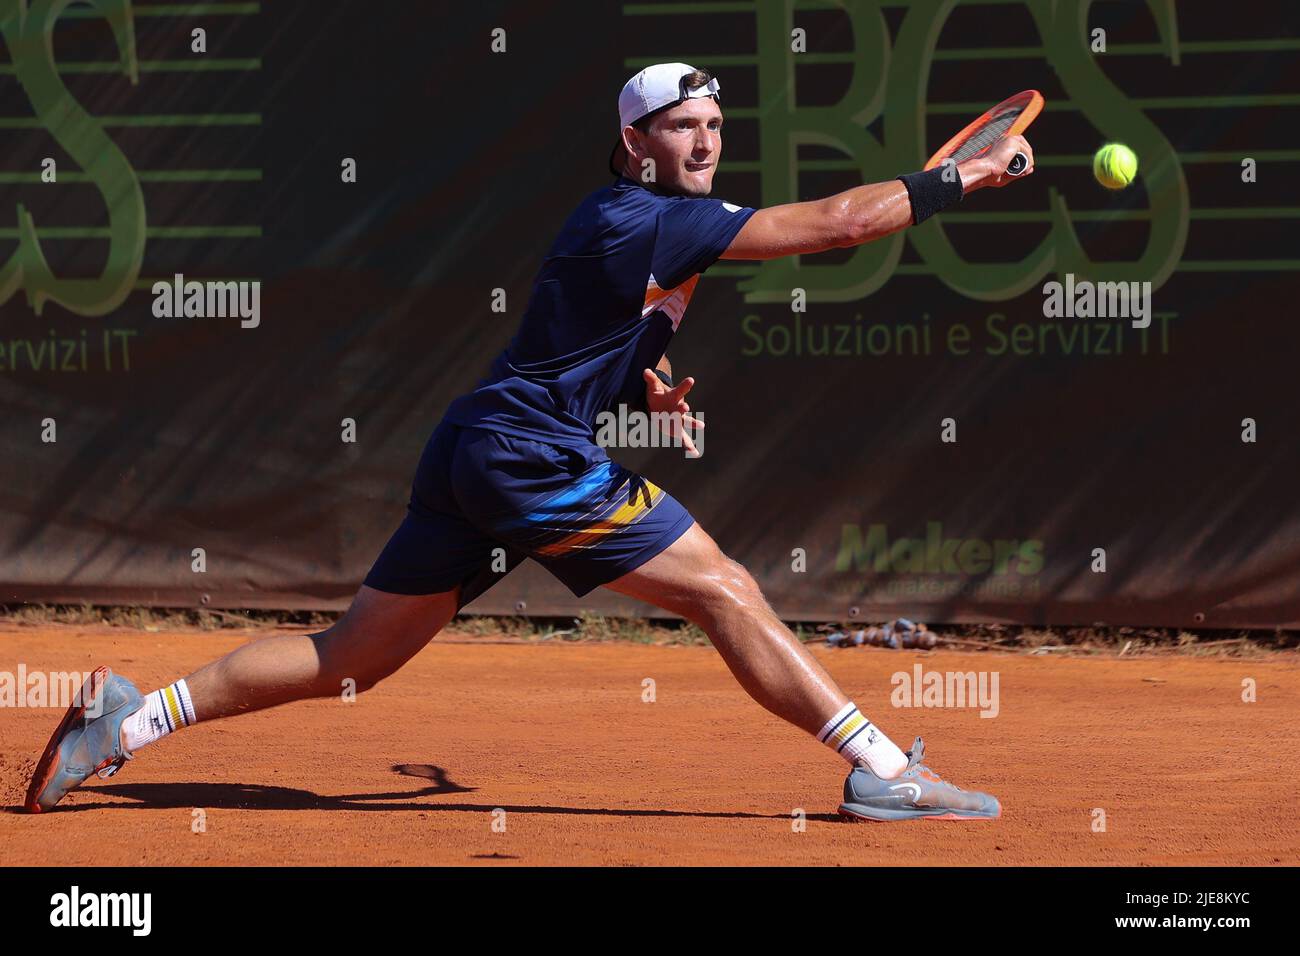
<point>660,398</point>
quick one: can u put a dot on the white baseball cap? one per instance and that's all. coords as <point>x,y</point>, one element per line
<point>655,88</point>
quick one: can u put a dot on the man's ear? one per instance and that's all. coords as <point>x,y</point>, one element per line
<point>632,142</point>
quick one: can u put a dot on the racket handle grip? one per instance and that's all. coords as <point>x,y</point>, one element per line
<point>1019,163</point>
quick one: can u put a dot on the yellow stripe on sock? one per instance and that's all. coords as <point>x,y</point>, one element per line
<point>174,708</point>
<point>846,730</point>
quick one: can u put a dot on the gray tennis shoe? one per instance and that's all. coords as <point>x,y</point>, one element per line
<point>918,793</point>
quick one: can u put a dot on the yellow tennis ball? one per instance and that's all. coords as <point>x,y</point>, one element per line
<point>1115,165</point>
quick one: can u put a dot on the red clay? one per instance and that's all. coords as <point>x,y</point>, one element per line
<point>558,736</point>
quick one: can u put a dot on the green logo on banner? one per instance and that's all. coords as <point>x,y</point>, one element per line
<point>28,30</point>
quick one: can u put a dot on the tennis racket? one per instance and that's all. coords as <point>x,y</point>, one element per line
<point>1009,118</point>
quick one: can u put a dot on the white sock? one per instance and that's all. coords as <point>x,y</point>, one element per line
<point>164,711</point>
<point>859,741</point>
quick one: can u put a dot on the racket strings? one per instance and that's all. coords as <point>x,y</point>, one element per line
<point>985,136</point>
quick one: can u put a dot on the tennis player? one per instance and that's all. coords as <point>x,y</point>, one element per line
<point>513,471</point>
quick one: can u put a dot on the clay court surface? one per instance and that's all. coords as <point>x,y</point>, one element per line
<point>557,735</point>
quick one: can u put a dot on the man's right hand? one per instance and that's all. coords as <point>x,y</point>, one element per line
<point>991,168</point>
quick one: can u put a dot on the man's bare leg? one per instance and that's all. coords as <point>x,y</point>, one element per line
<point>695,579</point>
<point>379,633</point>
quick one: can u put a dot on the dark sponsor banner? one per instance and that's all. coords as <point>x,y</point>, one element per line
<point>923,426</point>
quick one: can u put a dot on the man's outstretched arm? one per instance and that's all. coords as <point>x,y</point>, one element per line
<point>860,214</point>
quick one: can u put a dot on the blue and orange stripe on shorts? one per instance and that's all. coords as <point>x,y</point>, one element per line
<point>608,500</point>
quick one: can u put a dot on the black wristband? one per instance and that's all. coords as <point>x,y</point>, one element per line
<point>664,377</point>
<point>930,191</point>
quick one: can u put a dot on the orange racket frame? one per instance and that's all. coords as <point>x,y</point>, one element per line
<point>1030,103</point>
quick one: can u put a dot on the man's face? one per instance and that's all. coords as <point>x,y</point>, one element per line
<point>685,143</point>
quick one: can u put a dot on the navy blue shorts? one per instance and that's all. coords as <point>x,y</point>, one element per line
<point>482,501</point>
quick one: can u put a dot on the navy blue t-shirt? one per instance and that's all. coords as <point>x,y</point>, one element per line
<point>609,296</point>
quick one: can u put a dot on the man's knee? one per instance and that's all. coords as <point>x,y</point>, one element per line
<point>348,661</point>
<point>728,589</point>
<point>378,634</point>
